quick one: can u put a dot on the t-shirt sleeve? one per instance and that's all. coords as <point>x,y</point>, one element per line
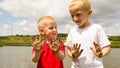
<point>102,38</point>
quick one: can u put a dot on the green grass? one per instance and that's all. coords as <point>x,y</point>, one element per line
<point>20,40</point>
<point>15,40</point>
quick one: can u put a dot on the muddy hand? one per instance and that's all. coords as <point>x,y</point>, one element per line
<point>37,43</point>
<point>97,51</point>
<point>75,50</point>
<point>55,46</point>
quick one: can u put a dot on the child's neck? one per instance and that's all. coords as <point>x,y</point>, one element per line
<point>87,24</point>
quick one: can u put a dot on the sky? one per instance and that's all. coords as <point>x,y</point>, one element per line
<point>20,16</point>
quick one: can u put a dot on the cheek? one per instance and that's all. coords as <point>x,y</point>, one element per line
<point>47,32</point>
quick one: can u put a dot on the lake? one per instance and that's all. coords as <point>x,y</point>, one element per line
<point>20,57</point>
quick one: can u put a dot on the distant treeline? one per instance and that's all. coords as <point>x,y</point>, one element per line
<point>114,38</point>
<point>24,40</point>
<point>115,41</point>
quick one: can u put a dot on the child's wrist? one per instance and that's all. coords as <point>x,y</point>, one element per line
<point>37,51</point>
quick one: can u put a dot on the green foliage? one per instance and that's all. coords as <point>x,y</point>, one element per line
<point>114,38</point>
<point>24,40</point>
<point>15,40</point>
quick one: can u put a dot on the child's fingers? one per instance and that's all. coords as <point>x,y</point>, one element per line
<point>97,47</point>
<point>79,45</point>
<point>75,46</point>
<point>69,48</point>
<point>80,51</point>
<point>97,53</point>
<point>33,38</point>
<point>37,37</point>
<point>31,43</point>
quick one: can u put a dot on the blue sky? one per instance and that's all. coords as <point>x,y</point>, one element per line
<point>20,16</point>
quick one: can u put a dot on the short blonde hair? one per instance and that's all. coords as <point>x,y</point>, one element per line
<point>83,4</point>
<point>43,21</point>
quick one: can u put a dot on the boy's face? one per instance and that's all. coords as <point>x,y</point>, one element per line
<point>79,16</point>
<point>50,29</point>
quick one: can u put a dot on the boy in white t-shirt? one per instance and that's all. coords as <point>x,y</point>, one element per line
<point>87,43</point>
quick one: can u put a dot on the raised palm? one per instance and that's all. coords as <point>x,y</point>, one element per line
<point>97,51</point>
<point>37,43</point>
<point>75,50</point>
<point>55,45</point>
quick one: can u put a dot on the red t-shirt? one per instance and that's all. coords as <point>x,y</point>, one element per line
<point>48,59</point>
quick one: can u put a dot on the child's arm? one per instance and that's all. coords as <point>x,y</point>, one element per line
<point>35,56</point>
<point>55,47</point>
<point>60,55</point>
<point>37,47</point>
<point>100,52</point>
<point>106,50</point>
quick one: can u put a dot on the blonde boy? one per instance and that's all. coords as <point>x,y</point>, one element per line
<point>48,53</point>
<point>87,43</point>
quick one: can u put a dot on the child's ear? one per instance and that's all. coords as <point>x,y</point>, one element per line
<point>41,31</point>
<point>90,12</point>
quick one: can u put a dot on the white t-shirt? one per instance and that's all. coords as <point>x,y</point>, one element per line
<point>86,37</point>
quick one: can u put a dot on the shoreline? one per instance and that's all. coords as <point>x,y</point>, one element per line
<point>25,44</point>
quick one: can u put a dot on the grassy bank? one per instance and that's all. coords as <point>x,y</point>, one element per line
<point>19,40</point>
<point>24,40</point>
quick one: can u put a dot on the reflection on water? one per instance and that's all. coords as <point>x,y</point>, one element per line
<point>20,57</point>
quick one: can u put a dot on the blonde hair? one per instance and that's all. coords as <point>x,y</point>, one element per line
<point>83,4</point>
<point>43,20</point>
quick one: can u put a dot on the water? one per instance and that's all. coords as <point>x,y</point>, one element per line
<point>20,57</point>
<point>112,60</point>
<point>15,57</point>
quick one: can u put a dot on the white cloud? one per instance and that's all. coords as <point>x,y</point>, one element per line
<point>21,27</point>
<point>25,27</point>
<point>105,13</point>
<point>24,22</point>
<point>6,26</point>
<point>35,8</point>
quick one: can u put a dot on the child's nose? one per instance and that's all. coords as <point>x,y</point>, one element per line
<point>75,18</point>
<point>54,29</point>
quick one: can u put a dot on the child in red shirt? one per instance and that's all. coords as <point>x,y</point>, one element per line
<point>50,52</point>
